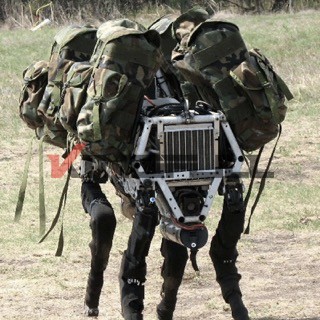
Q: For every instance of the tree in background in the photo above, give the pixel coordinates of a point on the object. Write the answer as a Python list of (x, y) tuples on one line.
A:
[(3, 15), (23, 12), (280, 5), (252, 5)]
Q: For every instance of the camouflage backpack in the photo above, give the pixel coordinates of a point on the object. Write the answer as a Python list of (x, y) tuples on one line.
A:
[(240, 83), (72, 44), (41, 98), (125, 61), (35, 78)]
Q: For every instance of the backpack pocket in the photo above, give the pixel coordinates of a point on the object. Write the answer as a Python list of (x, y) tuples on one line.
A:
[(35, 81), (256, 122), (74, 94), (107, 119), (264, 87), (52, 131)]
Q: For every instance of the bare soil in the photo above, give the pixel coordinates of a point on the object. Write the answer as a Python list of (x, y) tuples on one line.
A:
[(280, 281), (280, 269)]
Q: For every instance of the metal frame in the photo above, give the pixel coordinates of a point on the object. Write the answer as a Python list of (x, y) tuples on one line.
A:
[(211, 178)]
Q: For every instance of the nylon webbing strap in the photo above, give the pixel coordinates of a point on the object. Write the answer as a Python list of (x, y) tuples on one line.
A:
[(219, 50), (54, 100), (42, 209), (262, 184), (284, 88), (98, 58), (61, 235), (23, 186), (60, 243), (62, 203), (264, 78), (253, 175), (96, 122), (254, 172)]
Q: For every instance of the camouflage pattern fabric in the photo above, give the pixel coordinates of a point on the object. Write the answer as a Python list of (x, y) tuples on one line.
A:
[(52, 132), (168, 41), (72, 44), (267, 92), (35, 79), (126, 60), (241, 84), (264, 86), (74, 94), (211, 51), (183, 26), (174, 32), (215, 48)]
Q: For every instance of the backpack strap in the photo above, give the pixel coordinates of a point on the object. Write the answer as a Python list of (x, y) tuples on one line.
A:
[(284, 88), (24, 182), (42, 206), (253, 175), (263, 181), (96, 122), (62, 204), (23, 187)]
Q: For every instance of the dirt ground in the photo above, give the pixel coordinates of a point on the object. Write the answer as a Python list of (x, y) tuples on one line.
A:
[(280, 281)]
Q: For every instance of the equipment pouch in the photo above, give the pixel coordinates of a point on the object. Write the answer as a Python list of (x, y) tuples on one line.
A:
[(35, 80)]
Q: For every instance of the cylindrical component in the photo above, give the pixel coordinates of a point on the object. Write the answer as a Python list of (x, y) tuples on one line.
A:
[(194, 238)]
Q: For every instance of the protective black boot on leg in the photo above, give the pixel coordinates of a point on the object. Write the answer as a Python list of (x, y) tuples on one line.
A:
[(223, 250), (102, 225), (238, 309), (175, 259), (168, 302), (224, 262), (133, 268), (132, 289), (93, 291)]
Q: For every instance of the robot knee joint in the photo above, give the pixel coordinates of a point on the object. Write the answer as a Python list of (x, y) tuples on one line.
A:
[(234, 197), (102, 214)]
